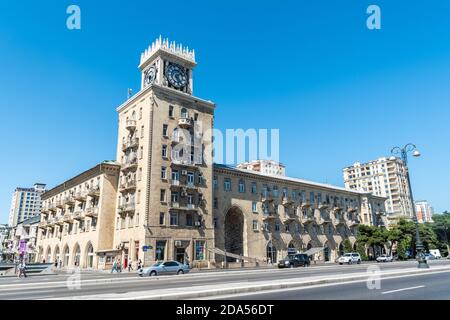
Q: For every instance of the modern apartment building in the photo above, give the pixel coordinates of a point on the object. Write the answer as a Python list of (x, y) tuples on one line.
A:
[(424, 211), (77, 220), (25, 203), (269, 167), (384, 177)]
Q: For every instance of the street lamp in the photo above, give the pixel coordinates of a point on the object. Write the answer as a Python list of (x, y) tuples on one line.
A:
[(404, 156)]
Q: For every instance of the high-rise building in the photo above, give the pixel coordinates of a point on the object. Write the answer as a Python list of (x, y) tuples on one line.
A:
[(424, 211), (25, 203), (264, 166), (384, 177)]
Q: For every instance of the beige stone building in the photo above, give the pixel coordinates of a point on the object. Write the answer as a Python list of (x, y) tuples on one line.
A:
[(262, 216), (164, 199), (77, 220)]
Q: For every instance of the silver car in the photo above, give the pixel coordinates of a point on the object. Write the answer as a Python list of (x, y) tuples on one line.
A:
[(164, 268)]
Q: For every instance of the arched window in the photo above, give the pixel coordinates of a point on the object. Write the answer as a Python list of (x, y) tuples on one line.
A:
[(271, 253), (184, 113)]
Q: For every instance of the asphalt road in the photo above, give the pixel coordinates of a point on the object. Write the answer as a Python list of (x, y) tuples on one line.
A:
[(434, 286), (84, 284)]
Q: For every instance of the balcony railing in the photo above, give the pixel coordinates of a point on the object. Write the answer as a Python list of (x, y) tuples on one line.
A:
[(323, 205), (128, 185), (80, 195), (184, 162), (130, 164), (127, 208), (92, 212), (351, 209), (269, 216), (183, 206), (289, 218), (308, 219), (266, 197), (184, 122), (69, 200), (77, 215), (286, 201), (324, 219), (59, 204), (130, 125), (130, 144), (354, 222), (94, 191), (337, 207), (306, 204)]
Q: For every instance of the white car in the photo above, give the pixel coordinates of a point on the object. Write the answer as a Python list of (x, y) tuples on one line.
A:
[(349, 258), (385, 258)]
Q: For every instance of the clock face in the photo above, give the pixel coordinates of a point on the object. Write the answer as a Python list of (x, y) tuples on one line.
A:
[(150, 75), (176, 75)]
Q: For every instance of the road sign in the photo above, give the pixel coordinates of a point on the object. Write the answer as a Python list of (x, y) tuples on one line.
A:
[(146, 248)]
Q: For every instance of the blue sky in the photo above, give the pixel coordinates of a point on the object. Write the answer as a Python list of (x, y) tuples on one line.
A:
[(337, 91)]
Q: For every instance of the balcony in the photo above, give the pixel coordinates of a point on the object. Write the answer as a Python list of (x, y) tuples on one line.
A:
[(59, 204), (127, 208), (80, 196), (308, 219), (339, 221), (306, 204), (67, 218), (130, 144), (77, 215), (69, 200), (323, 205), (94, 191), (324, 219), (354, 222), (184, 123), (130, 125), (127, 186), (184, 162), (266, 197), (337, 208), (59, 221), (269, 216), (175, 183), (351, 209), (380, 213), (289, 218), (286, 201), (92, 212), (183, 206), (130, 165), (42, 224)]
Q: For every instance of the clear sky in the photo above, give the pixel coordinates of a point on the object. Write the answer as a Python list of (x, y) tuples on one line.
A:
[(337, 91)]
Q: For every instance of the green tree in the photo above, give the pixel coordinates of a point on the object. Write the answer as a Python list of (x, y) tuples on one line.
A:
[(441, 227), (347, 245)]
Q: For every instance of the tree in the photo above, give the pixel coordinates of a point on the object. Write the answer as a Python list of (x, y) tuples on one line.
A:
[(347, 245), (441, 227), (372, 237)]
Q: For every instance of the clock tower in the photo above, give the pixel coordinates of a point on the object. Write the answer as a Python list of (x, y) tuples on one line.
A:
[(168, 64)]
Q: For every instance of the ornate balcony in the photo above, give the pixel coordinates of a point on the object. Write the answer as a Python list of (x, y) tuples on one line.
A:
[(323, 205), (184, 162), (306, 204), (92, 212), (128, 186), (130, 125), (354, 222), (308, 219), (67, 217), (130, 144), (339, 221), (266, 197), (80, 196), (269, 216), (94, 191), (289, 218), (127, 208), (130, 165), (351, 209), (59, 204), (184, 123), (69, 200), (286, 201), (77, 215), (337, 208), (324, 219)]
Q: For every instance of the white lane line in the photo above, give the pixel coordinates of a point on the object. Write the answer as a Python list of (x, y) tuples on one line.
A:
[(404, 289)]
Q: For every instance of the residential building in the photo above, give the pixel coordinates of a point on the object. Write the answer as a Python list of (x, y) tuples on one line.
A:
[(22, 241), (25, 203), (264, 216), (269, 167), (385, 177), (424, 211), (77, 221), (164, 180), (4, 240)]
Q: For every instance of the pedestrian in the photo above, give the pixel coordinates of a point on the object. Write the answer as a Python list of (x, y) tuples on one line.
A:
[(22, 267), (114, 266), (56, 264), (130, 266), (139, 264), (60, 264)]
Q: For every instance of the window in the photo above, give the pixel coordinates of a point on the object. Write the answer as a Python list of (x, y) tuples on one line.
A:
[(142, 131), (216, 203), (162, 196), (275, 191), (175, 175), (163, 172), (189, 220), (254, 190), (254, 209), (216, 223), (139, 175), (165, 130), (190, 178), (286, 228), (255, 225), (200, 250), (174, 197), (161, 218), (215, 183), (196, 116), (140, 113), (241, 186), (160, 250), (184, 113), (277, 227), (311, 197), (164, 151), (141, 152), (174, 219), (171, 111), (266, 226), (227, 184)]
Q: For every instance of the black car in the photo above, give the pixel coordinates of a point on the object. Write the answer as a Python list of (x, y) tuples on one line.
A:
[(294, 260)]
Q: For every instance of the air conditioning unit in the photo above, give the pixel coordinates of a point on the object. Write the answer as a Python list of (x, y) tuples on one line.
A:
[(184, 172), (178, 243)]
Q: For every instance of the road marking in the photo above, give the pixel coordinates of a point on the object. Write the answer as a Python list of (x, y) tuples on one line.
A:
[(404, 289)]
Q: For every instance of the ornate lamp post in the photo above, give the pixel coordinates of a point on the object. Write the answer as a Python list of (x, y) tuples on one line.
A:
[(404, 156)]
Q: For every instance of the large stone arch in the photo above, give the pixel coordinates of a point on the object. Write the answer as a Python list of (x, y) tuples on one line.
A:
[(271, 252), (89, 256), (327, 252), (234, 231)]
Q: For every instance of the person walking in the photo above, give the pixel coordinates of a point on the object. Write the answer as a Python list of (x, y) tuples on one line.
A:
[(139, 266), (114, 266), (22, 267), (130, 266)]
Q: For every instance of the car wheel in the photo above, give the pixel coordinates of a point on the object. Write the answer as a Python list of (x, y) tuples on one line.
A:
[(153, 274), (350, 262), (180, 272), (340, 263), (359, 261), (292, 266)]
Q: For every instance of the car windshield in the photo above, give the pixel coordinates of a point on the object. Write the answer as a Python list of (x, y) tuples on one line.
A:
[(289, 257), (347, 255), (156, 264)]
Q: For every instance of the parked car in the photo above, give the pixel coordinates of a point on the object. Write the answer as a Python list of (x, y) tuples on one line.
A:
[(385, 258), (429, 256), (294, 260), (436, 253), (164, 268), (349, 258)]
